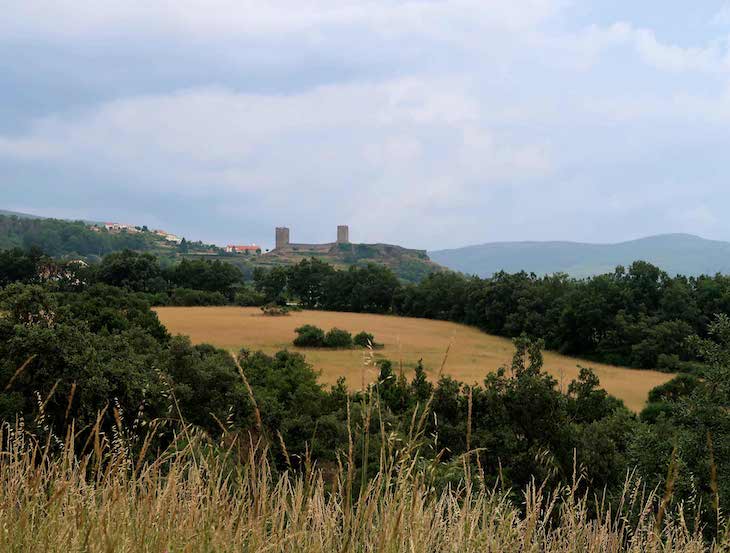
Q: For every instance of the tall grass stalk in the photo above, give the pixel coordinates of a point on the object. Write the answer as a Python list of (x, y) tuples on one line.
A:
[(66, 502)]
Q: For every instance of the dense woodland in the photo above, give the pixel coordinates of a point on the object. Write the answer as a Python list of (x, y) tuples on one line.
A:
[(82, 343)]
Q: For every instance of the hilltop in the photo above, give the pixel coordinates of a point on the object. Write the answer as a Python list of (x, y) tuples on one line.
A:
[(409, 265), (683, 254), (86, 240)]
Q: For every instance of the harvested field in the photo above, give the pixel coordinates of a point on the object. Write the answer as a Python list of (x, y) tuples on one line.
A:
[(473, 354)]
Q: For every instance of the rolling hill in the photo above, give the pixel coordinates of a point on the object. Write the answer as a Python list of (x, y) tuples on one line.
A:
[(76, 239), (683, 254)]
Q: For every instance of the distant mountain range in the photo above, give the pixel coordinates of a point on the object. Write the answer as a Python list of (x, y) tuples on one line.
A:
[(683, 254)]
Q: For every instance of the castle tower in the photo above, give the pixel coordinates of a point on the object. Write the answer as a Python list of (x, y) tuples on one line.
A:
[(343, 234), (282, 237)]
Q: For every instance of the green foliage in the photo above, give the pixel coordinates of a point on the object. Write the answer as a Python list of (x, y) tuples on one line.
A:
[(65, 238), (368, 289), (249, 297), (691, 416), (192, 298), (306, 281), (364, 339), (681, 386), (18, 266), (272, 284), (338, 338), (133, 271), (202, 274), (309, 336)]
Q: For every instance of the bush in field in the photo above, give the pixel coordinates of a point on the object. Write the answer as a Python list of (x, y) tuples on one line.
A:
[(338, 338), (363, 339), (309, 336), (273, 310)]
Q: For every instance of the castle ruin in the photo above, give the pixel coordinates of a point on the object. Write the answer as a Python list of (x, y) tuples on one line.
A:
[(282, 237), (283, 240)]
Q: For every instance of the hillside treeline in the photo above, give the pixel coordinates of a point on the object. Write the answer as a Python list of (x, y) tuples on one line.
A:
[(636, 316), (189, 282), (59, 238)]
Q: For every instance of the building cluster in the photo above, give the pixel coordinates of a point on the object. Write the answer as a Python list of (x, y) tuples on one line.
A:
[(250, 249), (116, 228), (167, 236)]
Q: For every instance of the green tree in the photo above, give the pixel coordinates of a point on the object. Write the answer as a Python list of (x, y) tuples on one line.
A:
[(131, 270), (307, 279)]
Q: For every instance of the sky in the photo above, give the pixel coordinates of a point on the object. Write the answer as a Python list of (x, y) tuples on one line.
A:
[(426, 123)]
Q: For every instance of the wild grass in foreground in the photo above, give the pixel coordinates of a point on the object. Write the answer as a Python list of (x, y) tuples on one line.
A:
[(189, 498)]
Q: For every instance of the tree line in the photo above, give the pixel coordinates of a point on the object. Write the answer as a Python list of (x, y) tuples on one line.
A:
[(188, 282), (637, 316)]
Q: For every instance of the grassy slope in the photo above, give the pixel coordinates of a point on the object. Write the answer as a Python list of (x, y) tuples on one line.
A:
[(406, 340), (675, 253)]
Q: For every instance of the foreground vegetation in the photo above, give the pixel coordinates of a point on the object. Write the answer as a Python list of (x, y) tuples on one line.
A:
[(188, 499), (99, 357), (100, 402)]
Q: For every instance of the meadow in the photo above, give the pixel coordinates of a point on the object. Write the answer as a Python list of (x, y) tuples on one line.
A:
[(472, 353)]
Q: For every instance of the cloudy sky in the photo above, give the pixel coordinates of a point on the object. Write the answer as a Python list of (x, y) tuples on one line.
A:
[(430, 123)]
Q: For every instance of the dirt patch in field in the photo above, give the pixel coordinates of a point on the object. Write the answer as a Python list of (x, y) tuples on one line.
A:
[(472, 355)]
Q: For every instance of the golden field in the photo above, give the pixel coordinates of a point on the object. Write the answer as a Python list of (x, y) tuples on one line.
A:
[(472, 354)]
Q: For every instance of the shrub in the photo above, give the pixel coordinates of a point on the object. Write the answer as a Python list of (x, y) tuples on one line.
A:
[(309, 336), (338, 338), (363, 339), (274, 310)]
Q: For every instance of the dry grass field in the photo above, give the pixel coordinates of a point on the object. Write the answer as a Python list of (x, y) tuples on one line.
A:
[(472, 355)]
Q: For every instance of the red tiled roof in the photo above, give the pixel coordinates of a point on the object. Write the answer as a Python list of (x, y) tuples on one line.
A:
[(252, 247)]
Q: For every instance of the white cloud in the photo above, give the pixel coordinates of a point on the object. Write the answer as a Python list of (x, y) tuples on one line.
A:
[(411, 109), (250, 17), (589, 44), (411, 143)]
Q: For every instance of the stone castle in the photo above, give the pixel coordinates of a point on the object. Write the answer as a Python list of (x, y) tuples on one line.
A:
[(283, 241)]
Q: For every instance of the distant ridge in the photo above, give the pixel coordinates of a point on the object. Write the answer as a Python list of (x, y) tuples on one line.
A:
[(683, 254), (19, 215)]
